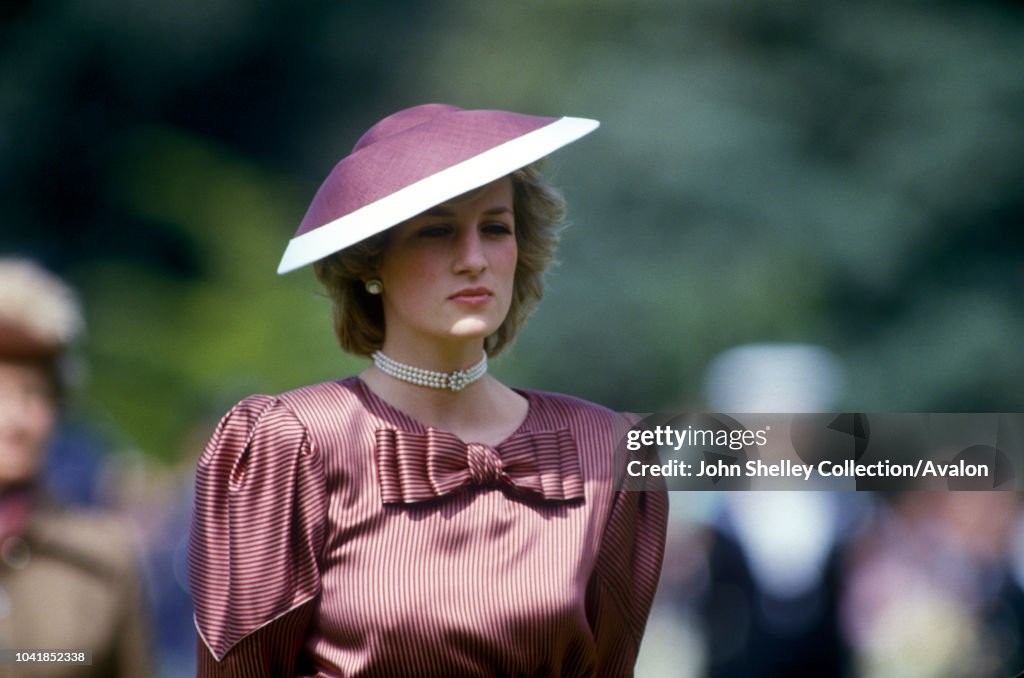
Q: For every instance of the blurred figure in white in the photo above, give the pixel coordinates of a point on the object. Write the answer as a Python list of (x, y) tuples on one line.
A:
[(750, 576), (786, 540)]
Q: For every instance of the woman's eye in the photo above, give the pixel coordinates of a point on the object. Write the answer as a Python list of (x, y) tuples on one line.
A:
[(498, 228), (433, 231)]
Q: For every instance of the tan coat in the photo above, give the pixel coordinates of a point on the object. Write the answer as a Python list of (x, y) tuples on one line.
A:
[(70, 582)]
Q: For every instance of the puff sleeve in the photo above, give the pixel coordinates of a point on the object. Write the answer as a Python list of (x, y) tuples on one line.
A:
[(257, 534), (622, 587)]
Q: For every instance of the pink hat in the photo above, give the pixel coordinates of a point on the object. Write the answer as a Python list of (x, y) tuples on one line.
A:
[(415, 159)]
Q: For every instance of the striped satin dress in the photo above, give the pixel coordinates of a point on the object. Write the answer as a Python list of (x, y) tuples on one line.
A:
[(334, 535)]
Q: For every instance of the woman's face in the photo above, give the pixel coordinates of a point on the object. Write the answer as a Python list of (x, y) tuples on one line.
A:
[(448, 273), (28, 414)]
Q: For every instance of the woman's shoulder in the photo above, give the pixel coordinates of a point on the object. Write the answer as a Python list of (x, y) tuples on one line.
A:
[(338, 392), (563, 401), (260, 452), (559, 408), (288, 421), (570, 405), (257, 410)]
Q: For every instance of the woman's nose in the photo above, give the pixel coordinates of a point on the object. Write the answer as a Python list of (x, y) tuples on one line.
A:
[(470, 256)]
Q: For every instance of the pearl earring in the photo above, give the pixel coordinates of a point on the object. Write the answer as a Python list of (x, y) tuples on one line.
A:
[(374, 286)]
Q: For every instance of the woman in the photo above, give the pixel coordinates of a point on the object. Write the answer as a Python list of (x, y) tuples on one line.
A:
[(423, 518), (68, 576)]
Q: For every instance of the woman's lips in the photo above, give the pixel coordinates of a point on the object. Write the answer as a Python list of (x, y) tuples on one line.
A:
[(472, 296)]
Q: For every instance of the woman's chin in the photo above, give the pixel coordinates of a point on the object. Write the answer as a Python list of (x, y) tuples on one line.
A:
[(15, 468), (472, 328)]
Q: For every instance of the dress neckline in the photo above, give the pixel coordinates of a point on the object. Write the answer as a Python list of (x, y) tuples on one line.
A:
[(411, 423)]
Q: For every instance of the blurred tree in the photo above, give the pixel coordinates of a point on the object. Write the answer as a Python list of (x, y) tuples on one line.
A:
[(143, 154), (822, 171)]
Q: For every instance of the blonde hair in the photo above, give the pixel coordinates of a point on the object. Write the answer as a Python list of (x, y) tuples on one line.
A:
[(359, 316)]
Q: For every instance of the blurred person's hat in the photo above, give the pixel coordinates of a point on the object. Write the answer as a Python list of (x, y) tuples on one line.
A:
[(768, 377), (415, 159), (40, 316), (782, 378)]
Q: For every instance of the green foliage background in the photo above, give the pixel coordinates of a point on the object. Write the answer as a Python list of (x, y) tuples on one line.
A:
[(847, 174)]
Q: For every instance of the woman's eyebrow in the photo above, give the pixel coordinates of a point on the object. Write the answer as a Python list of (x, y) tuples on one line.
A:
[(441, 211)]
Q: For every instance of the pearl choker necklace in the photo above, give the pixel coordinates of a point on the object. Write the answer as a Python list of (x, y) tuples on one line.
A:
[(453, 381)]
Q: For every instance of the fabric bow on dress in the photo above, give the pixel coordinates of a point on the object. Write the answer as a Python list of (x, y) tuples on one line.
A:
[(415, 466)]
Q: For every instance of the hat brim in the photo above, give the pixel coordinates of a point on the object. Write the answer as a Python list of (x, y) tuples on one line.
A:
[(432, 190)]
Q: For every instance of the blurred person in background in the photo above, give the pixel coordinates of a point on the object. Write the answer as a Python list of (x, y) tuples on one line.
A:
[(751, 581), (793, 583), (68, 578), (933, 586), (424, 519), (773, 581)]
